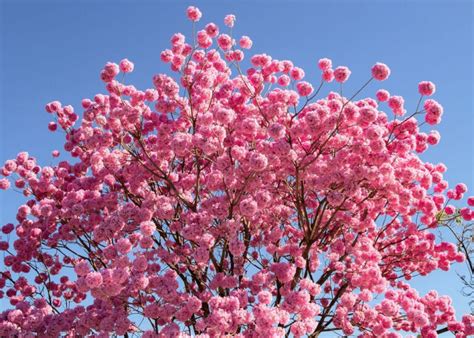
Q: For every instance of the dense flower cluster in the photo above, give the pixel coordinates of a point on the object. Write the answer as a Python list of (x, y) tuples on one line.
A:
[(230, 202)]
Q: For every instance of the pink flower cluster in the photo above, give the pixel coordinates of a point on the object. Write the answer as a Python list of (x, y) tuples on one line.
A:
[(232, 201), (380, 71)]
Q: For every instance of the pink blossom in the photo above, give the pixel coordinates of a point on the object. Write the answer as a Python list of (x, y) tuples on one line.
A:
[(283, 271), (52, 126), (140, 264), (276, 131), (123, 246), (328, 75), (177, 39), (341, 74), (126, 66), (297, 73), (225, 116), (258, 162), (193, 13), (4, 184), (284, 80), (426, 88), (245, 42), (248, 207), (325, 64), (109, 72), (93, 280), (7, 228), (203, 39), (229, 20), (382, 95), (461, 188), (147, 228), (396, 104), (225, 41), (433, 137), (380, 71), (212, 30), (112, 70), (264, 297), (304, 88), (434, 111)]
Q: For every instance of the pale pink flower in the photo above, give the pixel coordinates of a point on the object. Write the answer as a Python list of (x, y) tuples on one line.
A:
[(245, 42), (229, 20)]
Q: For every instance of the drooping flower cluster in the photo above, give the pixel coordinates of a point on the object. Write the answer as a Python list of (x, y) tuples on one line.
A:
[(231, 202)]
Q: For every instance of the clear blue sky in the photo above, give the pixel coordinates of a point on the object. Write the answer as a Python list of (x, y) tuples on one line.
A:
[(55, 50)]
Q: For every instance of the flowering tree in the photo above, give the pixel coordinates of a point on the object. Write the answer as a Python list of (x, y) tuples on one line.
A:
[(231, 202)]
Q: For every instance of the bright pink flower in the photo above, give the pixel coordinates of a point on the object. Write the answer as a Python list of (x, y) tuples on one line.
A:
[(304, 88), (283, 271), (328, 75), (112, 69), (147, 228), (225, 116), (55, 106), (426, 88), (10, 165), (341, 74), (284, 80), (52, 126), (276, 131), (382, 95), (325, 64), (212, 30), (297, 73), (203, 39), (82, 268), (126, 66), (258, 162), (109, 72), (245, 42), (123, 246), (466, 214), (140, 264), (434, 137), (193, 13), (461, 188), (396, 104), (177, 39), (225, 41), (380, 71), (248, 207), (7, 228), (264, 297), (434, 111), (93, 280)]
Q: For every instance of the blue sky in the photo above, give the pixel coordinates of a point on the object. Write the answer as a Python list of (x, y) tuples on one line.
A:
[(55, 50)]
